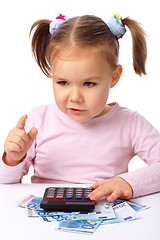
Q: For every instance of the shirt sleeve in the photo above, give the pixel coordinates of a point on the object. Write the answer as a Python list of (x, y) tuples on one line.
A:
[(14, 174), (146, 144)]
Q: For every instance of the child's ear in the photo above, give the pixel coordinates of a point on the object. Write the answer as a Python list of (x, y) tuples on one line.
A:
[(116, 75)]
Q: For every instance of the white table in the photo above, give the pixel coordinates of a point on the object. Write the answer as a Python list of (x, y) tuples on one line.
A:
[(14, 224)]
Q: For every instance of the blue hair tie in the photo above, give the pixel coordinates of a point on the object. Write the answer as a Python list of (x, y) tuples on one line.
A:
[(56, 23), (116, 26)]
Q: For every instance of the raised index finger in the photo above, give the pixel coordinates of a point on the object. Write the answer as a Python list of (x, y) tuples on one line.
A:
[(21, 122)]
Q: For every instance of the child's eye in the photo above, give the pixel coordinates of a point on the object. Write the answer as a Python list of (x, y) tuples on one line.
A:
[(89, 84), (62, 83)]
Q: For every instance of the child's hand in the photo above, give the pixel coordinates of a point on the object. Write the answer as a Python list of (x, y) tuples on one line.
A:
[(18, 142), (114, 187)]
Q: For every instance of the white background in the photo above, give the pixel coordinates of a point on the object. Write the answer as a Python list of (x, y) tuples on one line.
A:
[(23, 85)]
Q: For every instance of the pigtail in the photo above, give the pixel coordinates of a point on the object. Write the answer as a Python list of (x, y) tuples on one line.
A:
[(139, 45), (39, 44)]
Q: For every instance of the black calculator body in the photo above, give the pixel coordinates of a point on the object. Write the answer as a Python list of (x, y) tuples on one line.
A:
[(67, 199)]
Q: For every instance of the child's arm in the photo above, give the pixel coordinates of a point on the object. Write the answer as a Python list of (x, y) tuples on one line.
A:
[(18, 143), (15, 163), (145, 140)]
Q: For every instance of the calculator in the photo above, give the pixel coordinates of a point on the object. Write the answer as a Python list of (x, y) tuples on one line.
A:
[(68, 199)]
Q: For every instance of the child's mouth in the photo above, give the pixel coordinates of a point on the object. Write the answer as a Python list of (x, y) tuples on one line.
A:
[(74, 110)]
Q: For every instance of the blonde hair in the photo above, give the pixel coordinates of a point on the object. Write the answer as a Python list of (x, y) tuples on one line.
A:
[(85, 31)]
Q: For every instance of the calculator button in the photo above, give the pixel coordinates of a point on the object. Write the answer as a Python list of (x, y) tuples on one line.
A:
[(78, 197), (51, 192), (60, 191), (86, 193), (88, 190), (78, 194), (79, 190), (59, 196), (52, 189), (69, 192), (69, 197), (86, 197), (50, 196)]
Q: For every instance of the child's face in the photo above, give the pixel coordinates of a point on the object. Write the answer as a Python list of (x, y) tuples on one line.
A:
[(81, 85)]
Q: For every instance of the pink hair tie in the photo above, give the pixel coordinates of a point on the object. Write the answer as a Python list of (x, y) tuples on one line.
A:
[(61, 17), (56, 23)]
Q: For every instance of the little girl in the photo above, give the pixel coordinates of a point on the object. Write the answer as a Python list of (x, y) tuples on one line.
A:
[(81, 138)]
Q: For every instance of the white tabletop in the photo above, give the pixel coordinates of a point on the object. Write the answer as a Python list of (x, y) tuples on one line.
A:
[(14, 223)]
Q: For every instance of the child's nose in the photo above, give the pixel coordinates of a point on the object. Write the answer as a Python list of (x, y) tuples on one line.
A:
[(76, 95)]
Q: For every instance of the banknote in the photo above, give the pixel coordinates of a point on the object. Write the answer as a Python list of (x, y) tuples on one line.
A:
[(71, 215), (42, 213), (117, 219), (99, 213), (103, 212), (23, 203), (94, 216), (31, 202), (124, 212), (136, 206), (84, 222), (80, 226), (56, 218), (79, 217)]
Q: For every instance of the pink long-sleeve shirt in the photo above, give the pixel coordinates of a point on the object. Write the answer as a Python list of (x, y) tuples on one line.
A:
[(66, 151)]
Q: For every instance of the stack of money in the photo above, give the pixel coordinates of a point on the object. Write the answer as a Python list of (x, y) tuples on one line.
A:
[(104, 213)]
